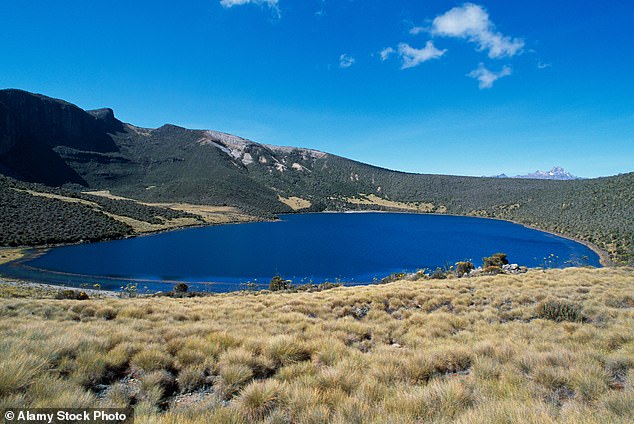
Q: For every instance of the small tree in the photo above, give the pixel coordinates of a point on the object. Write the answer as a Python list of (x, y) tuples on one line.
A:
[(278, 283), (497, 259)]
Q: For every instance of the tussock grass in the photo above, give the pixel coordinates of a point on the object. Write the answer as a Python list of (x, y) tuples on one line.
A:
[(151, 359), (260, 398), (542, 347)]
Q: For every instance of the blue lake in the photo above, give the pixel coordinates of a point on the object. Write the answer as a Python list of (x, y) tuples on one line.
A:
[(354, 248)]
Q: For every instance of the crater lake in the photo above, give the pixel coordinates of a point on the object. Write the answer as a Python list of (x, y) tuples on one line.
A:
[(352, 248)]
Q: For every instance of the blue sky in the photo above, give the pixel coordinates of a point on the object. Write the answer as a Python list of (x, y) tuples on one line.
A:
[(422, 86)]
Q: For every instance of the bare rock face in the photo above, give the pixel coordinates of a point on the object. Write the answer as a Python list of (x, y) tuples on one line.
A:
[(107, 119), (57, 123), (8, 132), (32, 125)]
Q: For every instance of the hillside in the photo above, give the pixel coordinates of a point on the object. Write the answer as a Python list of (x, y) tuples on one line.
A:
[(541, 347), (94, 151)]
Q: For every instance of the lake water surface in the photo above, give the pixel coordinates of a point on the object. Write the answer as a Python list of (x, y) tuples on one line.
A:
[(354, 248)]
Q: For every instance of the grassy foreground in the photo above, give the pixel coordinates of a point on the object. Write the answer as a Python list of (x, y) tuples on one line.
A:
[(542, 347)]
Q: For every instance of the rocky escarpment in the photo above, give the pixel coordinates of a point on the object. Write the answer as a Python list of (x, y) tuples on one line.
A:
[(33, 125)]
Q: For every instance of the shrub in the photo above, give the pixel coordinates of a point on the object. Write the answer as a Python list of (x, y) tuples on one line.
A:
[(393, 277), (71, 294), (558, 311), (497, 259), (463, 268), (438, 274), (278, 283), (181, 288)]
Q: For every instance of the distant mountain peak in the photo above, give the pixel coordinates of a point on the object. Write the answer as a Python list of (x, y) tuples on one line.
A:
[(555, 173)]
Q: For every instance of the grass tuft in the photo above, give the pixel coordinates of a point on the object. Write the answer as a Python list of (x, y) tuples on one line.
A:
[(259, 399)]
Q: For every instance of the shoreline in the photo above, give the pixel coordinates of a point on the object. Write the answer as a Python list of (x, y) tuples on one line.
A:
[(92, 292), (22, 250), (604, 258), (19, 252), (26, 252)]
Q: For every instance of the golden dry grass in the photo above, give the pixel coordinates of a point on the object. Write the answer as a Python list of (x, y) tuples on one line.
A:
[(373, 199), (8, 254), (471, 350), (210, 214), (295, 203)]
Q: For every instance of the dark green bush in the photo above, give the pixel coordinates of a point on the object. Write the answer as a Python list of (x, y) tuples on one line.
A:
[(463, 268), (497, 259), (278, 283), (181, 288), (72, 295), (559, 310)]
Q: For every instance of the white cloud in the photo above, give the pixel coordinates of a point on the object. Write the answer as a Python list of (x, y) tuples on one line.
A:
[(417, 30), (472, 22), (385, 53), (543, 65), (413, 57), (486, 78), (346, 61), (273, 4)]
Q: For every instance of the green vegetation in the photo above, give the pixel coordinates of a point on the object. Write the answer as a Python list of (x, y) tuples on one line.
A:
[(278, 283), (134, 210), (173, 164), (29, 220), (544, 347), (464, 267), (181, 288), (33, 214), (497, 260), (72, 294), (438, 274), (558, 311)]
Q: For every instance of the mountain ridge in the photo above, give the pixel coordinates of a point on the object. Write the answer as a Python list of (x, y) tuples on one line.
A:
[(52, 142)]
